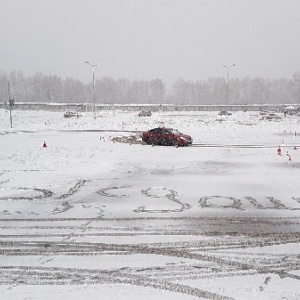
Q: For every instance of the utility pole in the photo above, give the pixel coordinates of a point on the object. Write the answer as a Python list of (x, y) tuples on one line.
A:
[(158, 89), (93, 78), (227, 81), (11, 103)]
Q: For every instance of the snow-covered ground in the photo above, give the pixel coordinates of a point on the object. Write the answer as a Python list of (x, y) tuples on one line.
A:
[(99, 215)]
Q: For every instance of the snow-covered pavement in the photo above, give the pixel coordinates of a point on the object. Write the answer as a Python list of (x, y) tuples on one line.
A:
[(98, 214)]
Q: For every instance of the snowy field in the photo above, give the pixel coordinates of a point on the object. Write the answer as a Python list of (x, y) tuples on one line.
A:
[(97, 214)]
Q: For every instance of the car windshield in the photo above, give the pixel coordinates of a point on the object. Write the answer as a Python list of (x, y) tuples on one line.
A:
[(173, 131)]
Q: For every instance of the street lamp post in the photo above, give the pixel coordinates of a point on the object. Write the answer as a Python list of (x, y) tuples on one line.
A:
[(158, 87), (146, 93), (94, 97), (11, 103), (227, 81)]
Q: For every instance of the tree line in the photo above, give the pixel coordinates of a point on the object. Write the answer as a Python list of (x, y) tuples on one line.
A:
[(52, 88)]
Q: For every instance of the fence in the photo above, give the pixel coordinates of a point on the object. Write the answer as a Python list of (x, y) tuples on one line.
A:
[(146, 107)]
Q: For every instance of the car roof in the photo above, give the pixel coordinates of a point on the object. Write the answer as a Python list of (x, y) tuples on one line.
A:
[(161, 128)]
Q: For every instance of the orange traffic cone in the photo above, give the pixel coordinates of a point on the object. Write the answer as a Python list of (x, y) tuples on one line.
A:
[(279, 150), (44, 145), (295, 148)]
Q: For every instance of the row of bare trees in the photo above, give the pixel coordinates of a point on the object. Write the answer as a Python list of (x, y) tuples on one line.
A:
[(45, 88)]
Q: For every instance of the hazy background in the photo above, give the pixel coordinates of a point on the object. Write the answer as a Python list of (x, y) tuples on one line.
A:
[(144, 39)]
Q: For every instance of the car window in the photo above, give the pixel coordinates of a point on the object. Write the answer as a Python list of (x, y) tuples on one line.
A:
[(159, 130), (154, 130), (174, 131)]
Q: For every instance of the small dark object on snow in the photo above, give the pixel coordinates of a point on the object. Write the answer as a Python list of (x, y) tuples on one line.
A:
[(71, 114), (225, 113), (271, 117), (144, 113)]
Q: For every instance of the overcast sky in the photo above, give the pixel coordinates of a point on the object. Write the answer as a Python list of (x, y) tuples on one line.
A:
[(145, 39)]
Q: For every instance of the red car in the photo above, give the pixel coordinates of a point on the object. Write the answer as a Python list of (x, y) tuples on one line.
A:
[(166, 137)]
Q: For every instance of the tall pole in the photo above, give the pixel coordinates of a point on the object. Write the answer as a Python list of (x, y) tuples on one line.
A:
[(11, 102), (158, 87), (94, 96), (146, 92), (227, 81)]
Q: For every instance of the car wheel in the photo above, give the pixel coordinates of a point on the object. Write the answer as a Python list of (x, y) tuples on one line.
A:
[(154, 141), (175, 143), (161, 141)]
